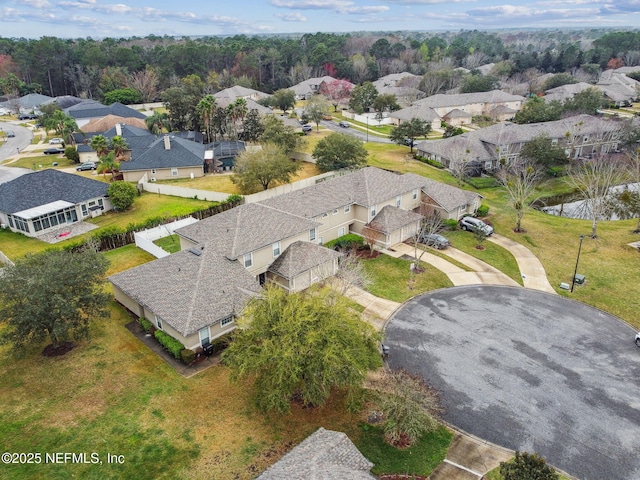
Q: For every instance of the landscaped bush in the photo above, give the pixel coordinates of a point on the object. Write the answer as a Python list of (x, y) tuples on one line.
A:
[(219, 344), (187, 356), (72, 154), (169, 343), (145, 324), (483, 210), (556, 171), (481, 182), (429, 161), (348, 241), (450, 224)]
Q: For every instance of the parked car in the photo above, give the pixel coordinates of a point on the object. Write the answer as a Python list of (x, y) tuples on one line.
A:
[(474, 224), (11, 134), (307, 127), (327, 117), (435, 240), (409, 143), (638, 339), (86, 166), (27, 116), (344, 124), (53, 151), (55, 141)]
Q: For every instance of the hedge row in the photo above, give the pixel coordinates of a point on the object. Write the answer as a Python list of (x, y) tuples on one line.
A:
[(169, 343), (146, 324), (348, 241), (482, 182), (429, 161)]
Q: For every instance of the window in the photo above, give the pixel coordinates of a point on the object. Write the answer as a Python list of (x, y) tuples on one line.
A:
[(325, 215), (312, 234), (415, 194), (373, 211), (335, 212), (341, 231), (276, 249), (174, 172), (153, 171), (85, 212), (248, 260), (398, 200), (159, 322), (347, 208), (320, 242), (204, 336), (226, 321)]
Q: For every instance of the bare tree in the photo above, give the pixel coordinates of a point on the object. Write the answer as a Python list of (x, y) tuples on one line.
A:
[(431, 223), (592, 180), (145, 82), (459, 159), (371, 236), (520, 181), (351, 273), (475, 60), (360, 68)]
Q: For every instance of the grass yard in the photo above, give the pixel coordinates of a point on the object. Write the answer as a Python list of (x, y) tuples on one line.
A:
[(114, 395), (495, 475), (391, 278), (398, 158), (223, 183), (419, 459), (169, 244), (39, 162)]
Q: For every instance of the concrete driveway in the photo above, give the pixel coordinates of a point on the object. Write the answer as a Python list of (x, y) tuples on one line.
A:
[(528, 370)]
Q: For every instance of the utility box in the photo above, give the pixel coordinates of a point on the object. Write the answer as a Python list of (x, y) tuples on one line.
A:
[(564, 286), (579, 279)]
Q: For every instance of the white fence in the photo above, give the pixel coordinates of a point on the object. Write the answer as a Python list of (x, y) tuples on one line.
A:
[(145, 239), (5, 260), (289, 187), (369, 118)]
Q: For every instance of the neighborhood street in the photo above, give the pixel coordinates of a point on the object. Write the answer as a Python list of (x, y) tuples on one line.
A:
[(528, 370), (11, 147)]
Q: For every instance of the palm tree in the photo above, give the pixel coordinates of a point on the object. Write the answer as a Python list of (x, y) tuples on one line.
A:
[(237, 112), (99, 144), (206, 109), (119, 146), (158, 122), (108, 164), (63, 125)]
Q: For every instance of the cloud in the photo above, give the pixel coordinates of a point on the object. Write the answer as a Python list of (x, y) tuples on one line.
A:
[(291, 17), (35, 3), (311, 4), (425, 2), (363, 10), (93, 6)]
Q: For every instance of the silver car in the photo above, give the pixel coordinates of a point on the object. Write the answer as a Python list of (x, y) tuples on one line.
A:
[(475, 224)]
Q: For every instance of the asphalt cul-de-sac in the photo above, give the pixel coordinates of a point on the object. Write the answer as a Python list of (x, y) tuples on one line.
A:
[(529, 371)]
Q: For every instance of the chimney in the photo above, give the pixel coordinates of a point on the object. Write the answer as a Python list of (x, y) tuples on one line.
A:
[(118, 129), (167, 142)]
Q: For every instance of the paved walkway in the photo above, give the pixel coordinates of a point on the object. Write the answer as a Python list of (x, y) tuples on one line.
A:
[(533, 273)]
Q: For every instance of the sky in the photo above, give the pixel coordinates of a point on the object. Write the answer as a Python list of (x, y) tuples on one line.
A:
[(101, 18)]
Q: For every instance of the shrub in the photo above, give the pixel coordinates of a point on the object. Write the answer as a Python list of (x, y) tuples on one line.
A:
[(527, 465), (429, 161), (219, 344), (145, 324), (187, 356), (72, 154), (556, 171), (234, 198), (122, 194), (450, 224), (169, 343), (348, 241), (483, 210)]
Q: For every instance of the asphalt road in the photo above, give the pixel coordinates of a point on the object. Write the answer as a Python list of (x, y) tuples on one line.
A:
[(529, 371), (332, 125), (10, 148)]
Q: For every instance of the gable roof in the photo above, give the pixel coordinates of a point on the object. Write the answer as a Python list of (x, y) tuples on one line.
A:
[(33, 100), (245, 228), (423, 112), (109, 122), (310, 85), (323, 455), (391, 218), (443, 100), (299, 257), (189, 291), (365, 187), (94, 109), (447, 196), (47, 186), (182, 153), (238, 91)]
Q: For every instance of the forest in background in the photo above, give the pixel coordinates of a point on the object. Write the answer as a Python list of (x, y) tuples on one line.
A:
[(89, 68)]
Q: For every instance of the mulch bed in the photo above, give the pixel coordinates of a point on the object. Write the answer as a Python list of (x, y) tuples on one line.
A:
[(61, 349)]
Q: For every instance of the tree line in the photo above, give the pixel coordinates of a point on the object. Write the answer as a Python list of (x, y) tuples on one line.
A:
[(145, 67)]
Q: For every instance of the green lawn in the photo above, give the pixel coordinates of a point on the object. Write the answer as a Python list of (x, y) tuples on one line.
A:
[(392, 278), (419, 459), (39, 162), (169, 244)]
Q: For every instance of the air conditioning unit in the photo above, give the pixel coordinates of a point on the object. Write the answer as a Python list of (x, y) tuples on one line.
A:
[(3, 226), (153, 179)]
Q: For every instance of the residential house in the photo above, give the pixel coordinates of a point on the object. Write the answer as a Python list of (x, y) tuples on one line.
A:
[(312, 86), (618, 88), (392, 225), (450, 202), (238, 91), (476, 104), (323, 455), (423, 112), (27, 103), (274, 240), (579, 136), (166, 158), (43, 201), (221, 156), (403, 85), (138, 140), (88, 110), (565, 92), (104, 124)]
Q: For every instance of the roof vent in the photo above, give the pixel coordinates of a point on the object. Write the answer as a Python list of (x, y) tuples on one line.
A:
[(167, 142), (196, 251)]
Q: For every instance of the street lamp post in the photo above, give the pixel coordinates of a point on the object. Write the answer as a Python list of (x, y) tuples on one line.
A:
[(575, 272), (367, 128)]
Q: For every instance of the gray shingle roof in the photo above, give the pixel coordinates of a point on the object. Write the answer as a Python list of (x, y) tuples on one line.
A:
[(391, 218), (323, 455), (93, 109), (187, 291), (183, 153), (423, 112), (46, 186), (246, 228), (238, 91), (300, 257), (447, 196), (367, 186), (444, 100)]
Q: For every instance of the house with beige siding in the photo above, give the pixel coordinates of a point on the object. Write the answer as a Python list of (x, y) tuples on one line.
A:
[(196, 294)]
